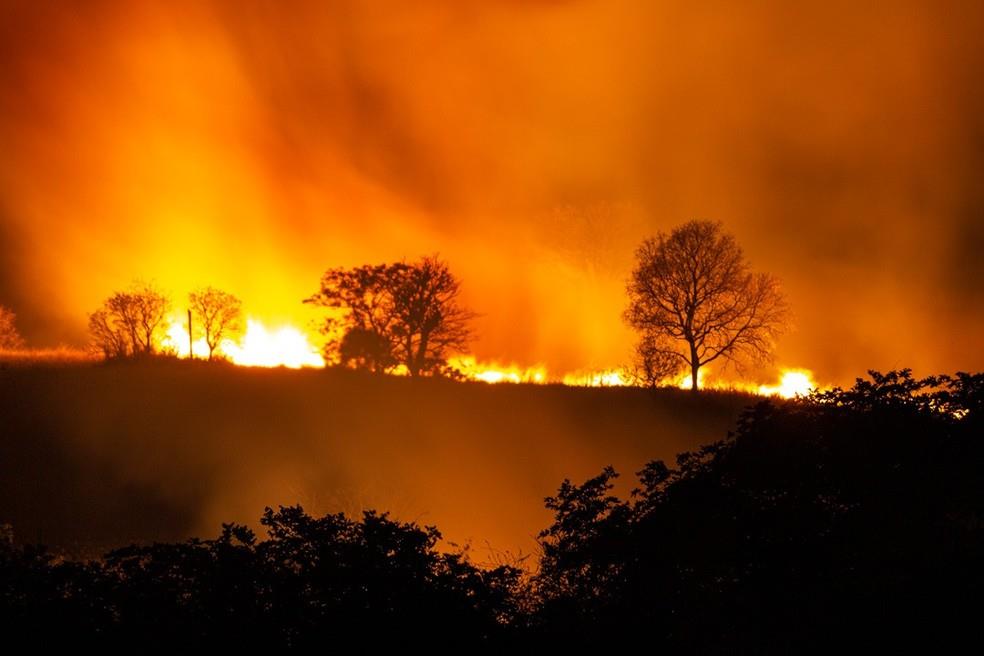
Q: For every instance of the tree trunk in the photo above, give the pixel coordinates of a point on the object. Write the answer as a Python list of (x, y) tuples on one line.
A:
[(412, 368), (694, 368)]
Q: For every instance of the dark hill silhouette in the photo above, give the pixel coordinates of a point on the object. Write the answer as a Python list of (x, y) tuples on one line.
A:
[(95, 456), (851, 520)]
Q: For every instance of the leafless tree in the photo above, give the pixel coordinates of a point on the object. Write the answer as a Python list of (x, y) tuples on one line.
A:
[(219, 315), (130, 323), (10, 338), (695, 301)]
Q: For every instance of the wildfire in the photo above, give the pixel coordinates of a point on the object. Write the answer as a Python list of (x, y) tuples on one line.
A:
[(259, 346), (287, 346), (687, 382), (493, 372), (792, 383), (604, 378)]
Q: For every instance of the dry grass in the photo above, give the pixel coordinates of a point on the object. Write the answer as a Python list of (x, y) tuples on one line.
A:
[(49, 357)]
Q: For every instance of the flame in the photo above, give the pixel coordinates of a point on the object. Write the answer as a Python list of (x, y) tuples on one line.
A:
[(494, 372), (176, 341), (687, 382), (288, 346), (260, 346), (603, 378), (792, 383)]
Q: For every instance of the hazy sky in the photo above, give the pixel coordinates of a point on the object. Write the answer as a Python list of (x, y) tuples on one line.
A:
[(251, 145)]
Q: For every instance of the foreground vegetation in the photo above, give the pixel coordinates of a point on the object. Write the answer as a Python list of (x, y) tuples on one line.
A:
[(854, 514)]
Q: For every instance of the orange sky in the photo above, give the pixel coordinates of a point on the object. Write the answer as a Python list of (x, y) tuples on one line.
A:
[(251, 145)]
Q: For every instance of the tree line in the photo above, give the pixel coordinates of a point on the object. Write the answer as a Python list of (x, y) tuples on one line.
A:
[(692, 298), (852, 517), (133, 323)]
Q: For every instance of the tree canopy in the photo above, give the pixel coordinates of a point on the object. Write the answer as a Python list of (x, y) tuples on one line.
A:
[(694, 300), (218, 315), (130, 323), (396, 314)]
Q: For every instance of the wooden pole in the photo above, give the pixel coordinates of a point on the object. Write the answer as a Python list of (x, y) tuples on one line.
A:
[(191, 341)]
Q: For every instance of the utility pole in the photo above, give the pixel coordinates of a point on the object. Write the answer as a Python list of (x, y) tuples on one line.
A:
[(191, 341)]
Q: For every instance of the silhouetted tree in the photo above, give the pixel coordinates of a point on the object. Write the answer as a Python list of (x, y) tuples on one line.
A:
[(694, 299), (130, 323), (314, 582), (10, 338), (652, 363), (364, 348), (218, 315), (852, 514), (396, 314)]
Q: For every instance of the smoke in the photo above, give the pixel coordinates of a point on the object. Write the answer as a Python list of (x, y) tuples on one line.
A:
[(251, 145)]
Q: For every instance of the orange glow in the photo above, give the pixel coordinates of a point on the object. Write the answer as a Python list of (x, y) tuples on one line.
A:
[(493, 372), (686, 381), (288, 346), (265, 146), (793, 383), (604, 378), (259, 346)]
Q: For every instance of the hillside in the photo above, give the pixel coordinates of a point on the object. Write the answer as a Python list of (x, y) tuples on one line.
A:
[(98, 455)]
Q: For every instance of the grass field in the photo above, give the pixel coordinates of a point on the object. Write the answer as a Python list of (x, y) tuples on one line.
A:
[(94, 455)]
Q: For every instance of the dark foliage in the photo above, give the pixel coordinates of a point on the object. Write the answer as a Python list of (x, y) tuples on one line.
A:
[(315, 582), (130, 324), (852, 515), (850, 520), (402, 313)]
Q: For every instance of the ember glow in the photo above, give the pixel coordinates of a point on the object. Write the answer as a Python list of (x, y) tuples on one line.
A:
[(260, 346), (792, 383), (604, 378), (288, 346), (493, 372)]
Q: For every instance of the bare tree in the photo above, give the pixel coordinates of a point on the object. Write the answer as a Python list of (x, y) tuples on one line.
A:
[(695, 301), (10, 338), (219, 315), (130, 323), (402, 313)]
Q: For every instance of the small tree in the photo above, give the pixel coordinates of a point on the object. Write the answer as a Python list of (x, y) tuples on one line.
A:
[(395, 314), (10, 338), (695, 301), (365, 349), (130, 323), (219, 315)]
